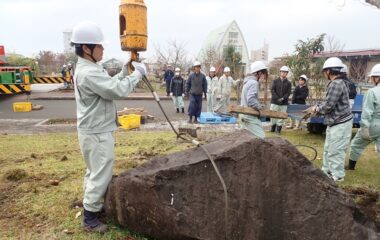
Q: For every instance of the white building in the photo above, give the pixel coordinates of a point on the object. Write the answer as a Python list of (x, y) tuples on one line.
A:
[(260, 54), (219, 39), (66, 41)]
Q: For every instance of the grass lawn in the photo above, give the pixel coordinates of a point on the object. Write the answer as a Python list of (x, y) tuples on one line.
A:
[(33, 208)]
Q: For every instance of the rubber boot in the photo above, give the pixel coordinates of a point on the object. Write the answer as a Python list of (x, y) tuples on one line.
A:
[(196, 120), (183, 110), (177, 110), (273, 128), (278, 129), (92, 224), (191, 120), (351, 165)]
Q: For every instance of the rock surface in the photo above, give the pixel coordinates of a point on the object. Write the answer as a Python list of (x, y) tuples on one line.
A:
[(274, 192)]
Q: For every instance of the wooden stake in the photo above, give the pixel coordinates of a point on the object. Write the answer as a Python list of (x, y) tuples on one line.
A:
[(261, 113)]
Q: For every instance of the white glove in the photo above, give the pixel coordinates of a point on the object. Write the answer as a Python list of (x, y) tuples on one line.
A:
[(183, 95), (364, 133), (220, 96), (140, 67), (171, 94)]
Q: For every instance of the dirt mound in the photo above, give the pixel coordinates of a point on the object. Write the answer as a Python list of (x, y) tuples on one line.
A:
[(274, 192)]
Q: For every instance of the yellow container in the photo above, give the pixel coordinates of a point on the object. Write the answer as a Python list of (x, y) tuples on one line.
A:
[(22, 106), (130, 121), (133, 25)]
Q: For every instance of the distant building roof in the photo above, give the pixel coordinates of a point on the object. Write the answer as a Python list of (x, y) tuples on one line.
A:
[(349, 53)]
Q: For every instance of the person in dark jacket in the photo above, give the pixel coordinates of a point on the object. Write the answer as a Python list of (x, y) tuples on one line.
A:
[(177, 90), (168, 76), (351, 85), (196, 86), (301, 92), (281, 89)]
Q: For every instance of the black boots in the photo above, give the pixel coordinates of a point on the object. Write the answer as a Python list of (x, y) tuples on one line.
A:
[(177, 110), (191, 120), (278, 129), (351, 165), (92, 224), (183, 110), (273, 128)]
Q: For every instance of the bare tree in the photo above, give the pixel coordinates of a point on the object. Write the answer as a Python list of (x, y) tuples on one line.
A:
[(375, 3), (358, 68), (333, 45), (174, 53)]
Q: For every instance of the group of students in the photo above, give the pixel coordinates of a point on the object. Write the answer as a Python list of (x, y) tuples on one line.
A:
[(216, 90), (95, 91)]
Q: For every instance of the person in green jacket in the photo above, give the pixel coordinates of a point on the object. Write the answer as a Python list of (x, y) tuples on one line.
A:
[(370, 121), (95, 91)]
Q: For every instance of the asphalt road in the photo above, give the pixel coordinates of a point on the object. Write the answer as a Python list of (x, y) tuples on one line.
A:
[(67, 108)]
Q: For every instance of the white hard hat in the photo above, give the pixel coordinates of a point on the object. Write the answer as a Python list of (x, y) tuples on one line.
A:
[(212, 69), (64, 65), (196, 63), (177, 69), (375, 72), (87, 33), (69, 64), (257, 66), (284, 69), (344, 69), (303, 76), (334, 63), (227, 69)]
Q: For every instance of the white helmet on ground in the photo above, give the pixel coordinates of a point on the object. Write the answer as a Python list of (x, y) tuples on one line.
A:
[(375, 72), (344, 69), (196, 63), (284, 69), (333, 63), (87, 33), (257, 66), (177, 69), (304, 77), (227, 69), (212, 69)]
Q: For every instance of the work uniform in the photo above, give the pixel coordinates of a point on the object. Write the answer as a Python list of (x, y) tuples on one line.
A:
[(370, 119), (212, 92), (96, 122), (177, 87), (224, 90), (196, 85), (280, 90), (338, 118), (250, 98)]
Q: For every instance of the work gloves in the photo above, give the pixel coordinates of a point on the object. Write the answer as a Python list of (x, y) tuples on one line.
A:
[(183, 95), (364, 133), (140, 67), (171, 94)]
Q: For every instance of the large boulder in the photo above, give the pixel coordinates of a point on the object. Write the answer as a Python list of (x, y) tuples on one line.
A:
[(274, 192)]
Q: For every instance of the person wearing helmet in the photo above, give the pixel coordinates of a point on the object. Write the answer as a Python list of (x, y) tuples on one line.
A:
[(370, 121), (177, 90), (212, 88), (338, 118), (281, 89), (300, 93), (64, 75), (226, 82), (95, 91), (250, 98), (168, 76), (351, 86), (196, 86)]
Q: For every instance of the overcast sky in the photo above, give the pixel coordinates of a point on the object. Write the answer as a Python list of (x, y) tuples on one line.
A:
[(28, 26)]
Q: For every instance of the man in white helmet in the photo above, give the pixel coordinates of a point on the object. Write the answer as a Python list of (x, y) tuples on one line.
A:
[(96, 116), (212, 88), (281, 89), (250, 98), (177, 90), (338, 118), (370, 121), (196, 86), (226, 82)]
